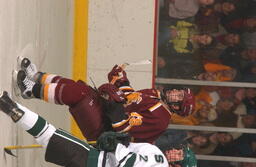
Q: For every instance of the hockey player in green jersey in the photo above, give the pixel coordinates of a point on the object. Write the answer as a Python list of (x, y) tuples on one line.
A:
[(113, 149)]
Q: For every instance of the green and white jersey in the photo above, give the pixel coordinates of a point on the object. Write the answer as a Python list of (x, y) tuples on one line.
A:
[(135, 155)]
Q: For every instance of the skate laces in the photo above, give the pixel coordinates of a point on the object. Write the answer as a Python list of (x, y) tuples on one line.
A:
[(31, 70), (28, 84)]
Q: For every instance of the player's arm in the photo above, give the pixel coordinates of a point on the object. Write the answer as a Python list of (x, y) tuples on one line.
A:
[(114, 109), (113, 100), (121, 122), (154, 93), (137, 123)]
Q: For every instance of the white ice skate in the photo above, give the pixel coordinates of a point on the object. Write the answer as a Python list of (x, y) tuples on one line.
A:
[(25, 85)]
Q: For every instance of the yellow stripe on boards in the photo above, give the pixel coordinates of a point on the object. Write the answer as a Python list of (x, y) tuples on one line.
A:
[(80, 49)]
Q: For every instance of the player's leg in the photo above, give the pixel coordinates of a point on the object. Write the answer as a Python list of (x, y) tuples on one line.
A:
[(49, 87), (33, 74), (66, 150), (58, 92), (62, 148), (84, 102), (28, 120)]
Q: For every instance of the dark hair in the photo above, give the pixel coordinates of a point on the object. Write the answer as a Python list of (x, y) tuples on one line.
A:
[(248, 68), (210, 45), (224, 144), (231, 2), (207, 143), (233, 107)]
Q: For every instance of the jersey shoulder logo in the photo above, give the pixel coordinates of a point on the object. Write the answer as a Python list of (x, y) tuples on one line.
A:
[(134, 97), (135, 119)]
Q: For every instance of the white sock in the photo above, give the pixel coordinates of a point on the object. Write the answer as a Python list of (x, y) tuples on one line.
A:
[(36, 126)]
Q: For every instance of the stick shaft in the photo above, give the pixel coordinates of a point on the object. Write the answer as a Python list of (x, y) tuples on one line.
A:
[(124, 65), (23, 147), (142, 62)]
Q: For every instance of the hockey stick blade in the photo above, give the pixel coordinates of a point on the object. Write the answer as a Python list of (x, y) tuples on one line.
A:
[(8, 151)]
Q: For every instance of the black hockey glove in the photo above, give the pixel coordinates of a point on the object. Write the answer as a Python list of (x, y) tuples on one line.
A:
[(108, 141)]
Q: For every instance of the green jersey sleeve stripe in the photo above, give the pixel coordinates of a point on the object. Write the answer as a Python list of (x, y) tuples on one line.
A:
[(123, 159), (130, 162), (38, 127), (93, 158)]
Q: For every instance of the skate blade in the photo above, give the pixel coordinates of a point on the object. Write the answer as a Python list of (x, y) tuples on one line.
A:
[(15, 87), (18, 61), (27, 52)]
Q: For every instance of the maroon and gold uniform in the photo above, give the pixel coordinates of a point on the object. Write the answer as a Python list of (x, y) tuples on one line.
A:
[(142, 114), (85, 104), (148, 117)]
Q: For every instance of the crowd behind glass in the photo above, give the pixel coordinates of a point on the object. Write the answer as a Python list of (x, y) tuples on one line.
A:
[(212, 40)]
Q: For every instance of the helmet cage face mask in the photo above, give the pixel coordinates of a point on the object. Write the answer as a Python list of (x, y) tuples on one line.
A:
[(184, 107), (175, 106)]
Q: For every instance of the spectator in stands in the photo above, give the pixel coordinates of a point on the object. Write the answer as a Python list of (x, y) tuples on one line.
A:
[(226, 40), (208, 18), (241, 25), (247, 97), (249, 121), (249, 54), (214, 139), (237, 57), (221, 42), (248, 39), (203, 143), (224, 7), (183, 37), (176, 138), (217, 72), (250, 100), (244, 146), (249, 73), (243, 9), (226, 117), (162, 67), (181, 9)]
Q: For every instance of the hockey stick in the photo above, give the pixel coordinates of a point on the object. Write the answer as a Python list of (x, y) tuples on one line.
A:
[(94, 85), (8, 149), (124, 65), (142, 62)]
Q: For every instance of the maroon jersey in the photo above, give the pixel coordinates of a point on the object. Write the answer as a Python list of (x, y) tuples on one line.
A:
[(143, 115), (147, 117)]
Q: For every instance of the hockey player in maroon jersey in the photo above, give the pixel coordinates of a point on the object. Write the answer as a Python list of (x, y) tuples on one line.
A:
[(153, 113), (140, 113)]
